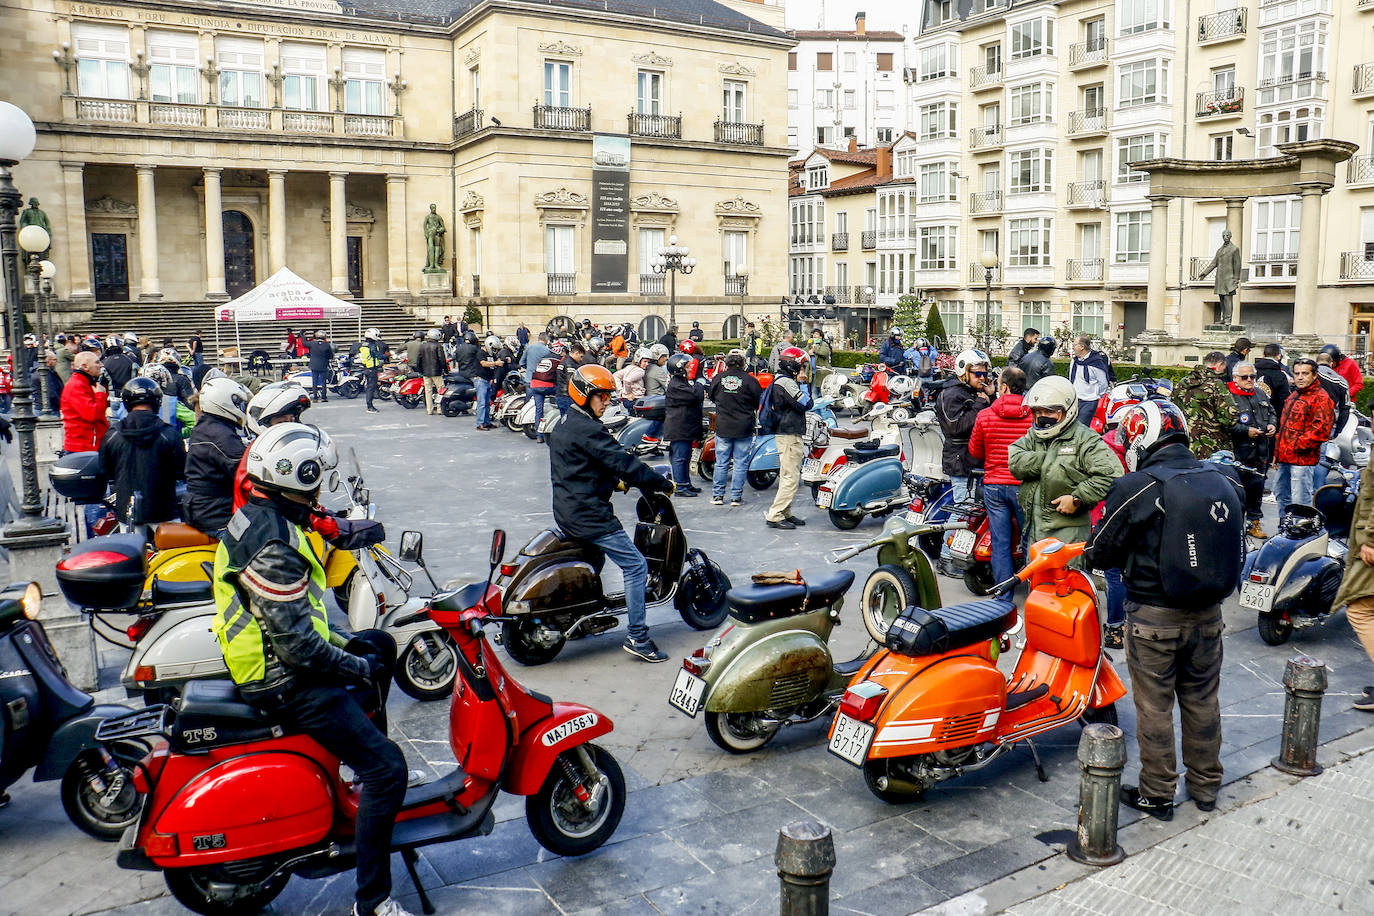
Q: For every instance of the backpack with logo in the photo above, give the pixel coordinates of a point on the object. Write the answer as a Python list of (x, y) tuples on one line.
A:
[(768, 417), (1201, 555)]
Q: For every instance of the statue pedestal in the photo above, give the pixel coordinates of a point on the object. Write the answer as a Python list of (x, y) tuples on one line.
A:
[(436, 282)]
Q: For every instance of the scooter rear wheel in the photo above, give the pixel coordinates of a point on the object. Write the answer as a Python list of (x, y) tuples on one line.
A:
[(409, 401), (350, 389), (212, 892), (562, 824), (452, 407), (706, 470), (887, 590), (512, 421), (1274, 629), (979, 579), (761, 480), (846, 520), (739, 732)]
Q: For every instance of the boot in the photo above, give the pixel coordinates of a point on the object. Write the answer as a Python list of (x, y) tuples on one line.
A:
[(1256, 531)]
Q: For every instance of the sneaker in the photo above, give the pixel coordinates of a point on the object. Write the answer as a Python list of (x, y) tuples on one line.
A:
[(1114, 636), (736, 502), (1161, 808), (648, 440), (1365, 701), (796, 522), (946, 567), (717, 500), (644, 649), (373, 410), (1256, 531), (785, 523), (416, 778), (1205, 806), (387, 907)]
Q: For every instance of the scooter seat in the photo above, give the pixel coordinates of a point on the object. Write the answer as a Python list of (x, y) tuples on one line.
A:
[(170, 535), (844, 432), (166, 591), (757, 603), (861, 455), (918, 631), (211, 714)]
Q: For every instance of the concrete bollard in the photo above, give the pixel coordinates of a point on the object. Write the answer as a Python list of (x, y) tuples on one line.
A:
[(805, 858), (1304, 678), (1102, 756)]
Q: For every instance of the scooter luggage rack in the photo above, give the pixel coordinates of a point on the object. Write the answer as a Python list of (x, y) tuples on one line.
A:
[(152, 720)]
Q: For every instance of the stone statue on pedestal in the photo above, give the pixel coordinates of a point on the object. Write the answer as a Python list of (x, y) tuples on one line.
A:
[(434, 240), (36, 217), (1226, 262)]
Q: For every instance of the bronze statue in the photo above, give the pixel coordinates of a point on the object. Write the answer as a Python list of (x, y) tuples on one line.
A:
[(36, 217), (434, 240), (1226, 262)]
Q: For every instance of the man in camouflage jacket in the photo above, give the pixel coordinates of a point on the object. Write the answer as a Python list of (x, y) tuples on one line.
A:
[(1207, 404)]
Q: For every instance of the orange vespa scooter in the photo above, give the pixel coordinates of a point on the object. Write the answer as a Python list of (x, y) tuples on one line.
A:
[(935, 704)]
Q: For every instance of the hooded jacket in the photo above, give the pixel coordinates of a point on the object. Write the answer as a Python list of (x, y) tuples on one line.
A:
[(83, 414), (957, 410), (585, 464), (144, 455), (996, 428), (1037, 363), (736, 395), (1072, 460), (1308, 416), (1272, 373), (1349, 370), (212, 458)]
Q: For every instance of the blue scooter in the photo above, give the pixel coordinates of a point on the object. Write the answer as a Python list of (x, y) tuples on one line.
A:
[(876, 481)]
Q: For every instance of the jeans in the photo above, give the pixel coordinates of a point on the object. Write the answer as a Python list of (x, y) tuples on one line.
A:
[(198, 359), (93, 513), (1086, 410), (959, 486), (369, 385), (621, 551), (319, 382), (1116, 597), (1292, 484), (1006, 523), (680, 455), (739, 450), (654, 429), (539, 396), (564, 402), (483, 387)]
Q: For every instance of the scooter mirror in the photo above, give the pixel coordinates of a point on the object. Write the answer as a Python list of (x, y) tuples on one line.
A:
[(412, 546), (498, 546)]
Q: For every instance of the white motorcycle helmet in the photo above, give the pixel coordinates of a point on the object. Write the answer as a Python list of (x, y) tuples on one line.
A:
[(433, 334), (642, 354), (658, 351), (289, 458), (901, 386), (273, 401), (158, 373), (493, 342), (968, 359), (372, 334), (225, 398), (1150, 423), (1056, 393)]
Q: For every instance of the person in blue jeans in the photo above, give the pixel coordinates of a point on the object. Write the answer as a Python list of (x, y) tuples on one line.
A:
[(736, 395), (488, 361), (994, 429)]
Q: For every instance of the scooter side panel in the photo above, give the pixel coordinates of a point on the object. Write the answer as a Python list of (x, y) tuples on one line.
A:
[(777, 669), (71, 738), (570, 725), (935, 703), (864, 483), (764, 456), (1309, 586), (178, 647), (180, 564)]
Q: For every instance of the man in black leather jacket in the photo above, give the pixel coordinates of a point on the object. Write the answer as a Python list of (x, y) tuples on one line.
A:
[(144, 456), (212, 456), (956, 408)]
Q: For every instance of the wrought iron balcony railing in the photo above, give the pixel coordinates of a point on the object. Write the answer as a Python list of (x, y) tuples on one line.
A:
[(869, 239), (1080, 270), (985, 137), (467, 123), (839, 241), (739, 132), (1088, 193), (561, 284), (551, 117), (1087, 121), (986, 202), (668, 127), (1221, 102), (1088, 53), (1225, 24)]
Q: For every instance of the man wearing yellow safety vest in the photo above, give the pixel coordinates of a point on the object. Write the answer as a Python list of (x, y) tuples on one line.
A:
[(371, 355), (271, 624)]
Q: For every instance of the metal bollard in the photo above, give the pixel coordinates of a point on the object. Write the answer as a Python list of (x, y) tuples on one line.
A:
[(1304, 678), (1102, 756), (805, 858)]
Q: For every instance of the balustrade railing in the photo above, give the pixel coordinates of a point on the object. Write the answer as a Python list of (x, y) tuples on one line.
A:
[(561, 284)]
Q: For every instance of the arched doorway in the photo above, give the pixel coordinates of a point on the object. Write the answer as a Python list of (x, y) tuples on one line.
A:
[(731, 329), (240, 261), (652, 328)]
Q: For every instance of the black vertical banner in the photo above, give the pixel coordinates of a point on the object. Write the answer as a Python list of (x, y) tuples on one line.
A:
[(610, 213)]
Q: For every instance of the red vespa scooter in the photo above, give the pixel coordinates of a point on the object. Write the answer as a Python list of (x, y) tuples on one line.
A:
[(237, 804)]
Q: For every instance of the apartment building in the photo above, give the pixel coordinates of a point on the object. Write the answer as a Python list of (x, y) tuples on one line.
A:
[(843, 85), (1030, 118)]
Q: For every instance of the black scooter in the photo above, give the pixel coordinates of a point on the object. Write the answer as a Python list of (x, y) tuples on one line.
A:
[(553, 592), (48, 725)]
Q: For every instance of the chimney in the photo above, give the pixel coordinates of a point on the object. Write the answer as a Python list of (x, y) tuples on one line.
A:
[(859, 18), (884, 163), (853, 144)]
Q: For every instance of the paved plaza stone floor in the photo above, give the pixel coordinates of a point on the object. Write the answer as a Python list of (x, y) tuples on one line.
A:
[(700, 827)]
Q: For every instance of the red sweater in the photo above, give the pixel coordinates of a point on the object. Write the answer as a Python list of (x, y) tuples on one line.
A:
[(83, 414), (1350, 371), (998, 426)]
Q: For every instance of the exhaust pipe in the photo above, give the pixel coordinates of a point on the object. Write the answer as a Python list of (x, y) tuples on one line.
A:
[(898, 784)]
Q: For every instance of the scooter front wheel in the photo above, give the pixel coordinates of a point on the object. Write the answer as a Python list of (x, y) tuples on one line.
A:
[(427, 666), (565, 825), (846, 520), (887, 590), (517, 635), (213, 891), (103, 803), (739, 732)]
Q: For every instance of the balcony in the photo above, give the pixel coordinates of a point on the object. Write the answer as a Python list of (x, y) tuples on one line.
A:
[(838, 294), (1221, 103), (245, 118), (1083, 270), (980, 78), (357, 125), (1088, 122), (978, 274), (1223, 26), (1292, 87), (467, 123), (561, 284), (735, 285), (105, 110), (476, 284), (869, 239), (1363, 83), (232, 118), (1195, 268), (739, 132), (551, 117), (1357, 265), (1279, 266), (665, 127), (651, 284), (987, 137), (176, 115), (989, 203), (839, 241), (1091, 195), (1360, 170), (1088, 54), (307, 122)]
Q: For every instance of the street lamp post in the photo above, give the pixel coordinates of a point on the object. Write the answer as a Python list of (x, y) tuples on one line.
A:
[(742, 272), (988, 260), (34, 240), (868, 325), (673, 259), (42, 308)]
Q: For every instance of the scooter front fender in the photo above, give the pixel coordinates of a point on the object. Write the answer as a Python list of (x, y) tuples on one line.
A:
[(71, 739), (787, 667), (865, 483), (570, 725)]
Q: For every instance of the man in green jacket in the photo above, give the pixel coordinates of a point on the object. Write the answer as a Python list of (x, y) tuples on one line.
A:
[(1208, 405), (1357, 588), (1064, 467)]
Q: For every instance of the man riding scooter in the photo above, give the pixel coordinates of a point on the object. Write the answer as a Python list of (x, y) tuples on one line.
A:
[(587, 465), (273, 629), (213, 455)]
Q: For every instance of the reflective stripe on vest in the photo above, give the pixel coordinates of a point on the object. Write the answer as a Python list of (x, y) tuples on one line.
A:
[(237, 629)]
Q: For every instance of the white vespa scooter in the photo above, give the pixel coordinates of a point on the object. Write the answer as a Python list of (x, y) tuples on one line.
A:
[(815, 470)]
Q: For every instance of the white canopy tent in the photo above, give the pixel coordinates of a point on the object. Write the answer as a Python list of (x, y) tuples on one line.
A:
[(285, 297)]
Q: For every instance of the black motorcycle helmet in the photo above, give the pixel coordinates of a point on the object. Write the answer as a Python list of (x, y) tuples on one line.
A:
[(470, 336), (141, 390), (680, 365)]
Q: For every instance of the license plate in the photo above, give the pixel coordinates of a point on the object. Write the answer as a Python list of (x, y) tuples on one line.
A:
[(688, 690), (916, 518), (824, 498), (1256, 596), (811, 467), (962, 543), (851, 739)]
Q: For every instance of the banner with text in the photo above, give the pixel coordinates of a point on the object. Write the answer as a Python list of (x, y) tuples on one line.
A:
[(610, 213)]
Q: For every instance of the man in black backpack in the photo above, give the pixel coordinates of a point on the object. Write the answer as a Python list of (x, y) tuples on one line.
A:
[(1174, 588)]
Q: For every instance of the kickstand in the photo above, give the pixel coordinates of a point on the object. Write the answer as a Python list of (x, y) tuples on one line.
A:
[(409, 857), (1039, 768)]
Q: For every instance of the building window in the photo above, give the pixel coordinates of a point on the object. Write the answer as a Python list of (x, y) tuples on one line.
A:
[(807, 275), (1028, 242), (884, 134), (733, 109), (1137, 148), (172, 72), (1035, 313), (824, 98), (1143, 82), (850, 99), (938, 182), (793, 98), (817, 178), (364, 74), (1292, 53), (650, 241), (825, 136), (939, 247), (476, 73), (240, 72), (935, 62), (558, 250), (841, 274), (939, 121), (1032, 38), (557, 84), (792, 61), (825, 60), (1274, 251), (1143, 15), (303, 77), (734, 246), (1030, 170), (851, 62), (1222, 147), (902, 164), (884, 62), (1133, 237), (649, 97), (1289, 125), (1089, 318), (1031, 103), (1095, 34), (892, 215), (807, 222), (102, 68), (952, 316), (992, 59), (792, 137)]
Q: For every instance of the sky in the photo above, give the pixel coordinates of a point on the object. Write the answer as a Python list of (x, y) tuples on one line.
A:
[(839, 14)]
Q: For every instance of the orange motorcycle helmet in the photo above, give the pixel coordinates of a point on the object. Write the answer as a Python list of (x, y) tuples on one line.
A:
[(590, 380)]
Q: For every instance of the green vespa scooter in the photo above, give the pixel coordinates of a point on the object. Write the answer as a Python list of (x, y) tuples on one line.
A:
[(904, 576)]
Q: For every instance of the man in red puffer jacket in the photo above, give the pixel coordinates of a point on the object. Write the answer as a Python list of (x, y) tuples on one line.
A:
[(998, 426)]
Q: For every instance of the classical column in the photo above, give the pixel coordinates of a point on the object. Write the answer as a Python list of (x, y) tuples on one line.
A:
[(338, 235), (1155, 294), (214, 237), (147, 233), (276, 219), (78, 267), (398, 282), (1309, 251)]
